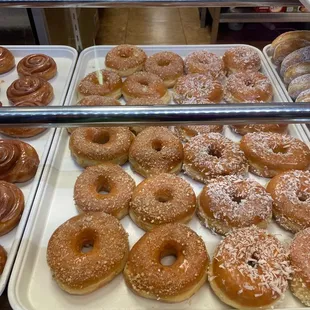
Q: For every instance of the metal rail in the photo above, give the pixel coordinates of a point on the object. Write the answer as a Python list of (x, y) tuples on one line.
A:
[(75, 116)]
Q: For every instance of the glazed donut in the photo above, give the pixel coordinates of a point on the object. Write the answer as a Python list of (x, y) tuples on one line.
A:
[(77, 272), (162, 199), (241, 58), (30, 89), (250, 269), (299, 257), (3, 257), (193, 88), (212, 155), (11, 207), (23, 132), (7, 60), (244, 129), (304, 96), (94, 146), (156, 150), (248, 87), (146, 275), (204, 62), (168, 66), (290, 192), (102, 83), (185, 133), (125, 59), (270, 153), (299, 85), (19, 161), (296, 70), (107, 177), (301, 55), (39, 65), (145, 85), (232, 202)]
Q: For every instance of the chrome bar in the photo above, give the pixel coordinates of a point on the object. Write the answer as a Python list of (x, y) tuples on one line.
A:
[(75, 116)]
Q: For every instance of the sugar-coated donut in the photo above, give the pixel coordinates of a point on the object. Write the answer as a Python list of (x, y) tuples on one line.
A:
[(248, 87), (212, 155), (270, 153), (232, 202), (145, 85), (107, 177), (291, 199), (102, 83), (162, 199), (168, 66), (77, 272), (244, 129), (241, 58), (125, 59), (11, 206), (156, 150), (3, 257), (148, 277), (296, 70), (93, 146), (304, 96), (300, 257), (298, 85), (7, 60), (250, 269)]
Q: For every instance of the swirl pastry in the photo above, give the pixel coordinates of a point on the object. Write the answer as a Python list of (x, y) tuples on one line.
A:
[(11, 206), (3, 257), (19, 161), (39, 65), (7, 60), (30, 88)]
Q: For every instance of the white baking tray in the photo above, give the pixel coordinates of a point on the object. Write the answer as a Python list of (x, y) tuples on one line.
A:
[(65, 58), (31, 286)]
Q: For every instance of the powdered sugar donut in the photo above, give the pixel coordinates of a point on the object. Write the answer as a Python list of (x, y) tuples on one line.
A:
[(298, 85), (304, 96)]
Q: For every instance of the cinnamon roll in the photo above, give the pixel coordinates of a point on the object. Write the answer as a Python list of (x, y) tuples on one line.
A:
[(30, 88), (39, 65), (19, 161), (11, 206), (7, 60), (3, 257)]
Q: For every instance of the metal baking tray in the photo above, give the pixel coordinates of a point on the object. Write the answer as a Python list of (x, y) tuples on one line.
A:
[(65, 58), (32, 287)]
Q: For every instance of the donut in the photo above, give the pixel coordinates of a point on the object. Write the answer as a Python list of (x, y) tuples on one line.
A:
[(290, 192), (241, 58), (212, 155), (299, 85), (156, 150), (3, 257), (168, 66), (107, 177), (185, 133), (299, 258), (39, 65), (23, 132), (270, 153), (244, 129), (162, 199), (194, 88), (94, 146), (204, 62), (7, 60), (101, 83), (296, 70), (148, 277), (77, 271), (30, 89), (19, 161), (250, 269), (248, 87), (125, 59), (145, 85), (304, 96), (231, 202), (11, 207)]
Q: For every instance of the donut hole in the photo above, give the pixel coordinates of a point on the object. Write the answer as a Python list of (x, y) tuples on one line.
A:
[(237, 199), (168, 257), (101, 138), (87, 246), (163, 62), (103, 188), (125, 53), (253, 261), (157, 145), (144, 83), (280, 149), (249, 83), (163, 196), (303, 196), (215, 152), (85, 241)]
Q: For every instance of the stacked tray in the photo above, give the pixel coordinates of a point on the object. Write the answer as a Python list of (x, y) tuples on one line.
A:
[(65, 58), (32, 286)]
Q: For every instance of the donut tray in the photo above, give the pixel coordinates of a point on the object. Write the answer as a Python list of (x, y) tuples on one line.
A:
[(54, 205), (65, 58)]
